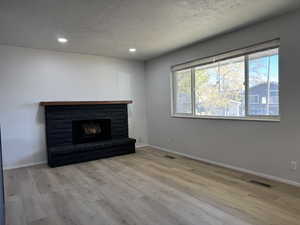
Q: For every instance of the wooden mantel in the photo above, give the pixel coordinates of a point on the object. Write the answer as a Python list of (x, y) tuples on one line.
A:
[(85, 103)]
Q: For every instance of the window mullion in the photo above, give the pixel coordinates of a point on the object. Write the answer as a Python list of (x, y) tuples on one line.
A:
[(173, 94), (246, 84), (193, 92)]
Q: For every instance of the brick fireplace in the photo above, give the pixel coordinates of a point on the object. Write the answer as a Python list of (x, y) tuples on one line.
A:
[(82, 131)]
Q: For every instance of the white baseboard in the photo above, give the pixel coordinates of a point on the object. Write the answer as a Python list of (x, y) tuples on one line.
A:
[(23, 165), (140, 145), (270, 177)]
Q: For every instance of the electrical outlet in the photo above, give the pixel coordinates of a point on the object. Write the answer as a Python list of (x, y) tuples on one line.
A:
[(293, 165)]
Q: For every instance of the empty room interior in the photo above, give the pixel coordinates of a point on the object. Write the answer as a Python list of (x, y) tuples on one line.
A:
[(149, 112)]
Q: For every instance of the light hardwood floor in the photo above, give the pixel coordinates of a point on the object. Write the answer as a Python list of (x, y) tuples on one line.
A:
[(145, 188)]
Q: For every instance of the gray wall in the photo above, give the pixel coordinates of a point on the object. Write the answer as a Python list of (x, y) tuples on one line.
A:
[(2, 201), (264, 147), (28, 76)]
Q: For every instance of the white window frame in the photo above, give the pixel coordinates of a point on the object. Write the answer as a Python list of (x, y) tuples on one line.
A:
[(269, 45)]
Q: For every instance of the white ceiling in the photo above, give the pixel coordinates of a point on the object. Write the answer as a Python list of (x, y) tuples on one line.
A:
[(110, 27)]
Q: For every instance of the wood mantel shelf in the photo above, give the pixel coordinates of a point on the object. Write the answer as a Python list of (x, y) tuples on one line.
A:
[(85, 103)]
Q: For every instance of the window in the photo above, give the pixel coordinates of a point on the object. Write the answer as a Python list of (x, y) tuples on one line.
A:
[(219, 88), (253, 99), (274, 97), (183, 90), (240, 86), (263, 81)]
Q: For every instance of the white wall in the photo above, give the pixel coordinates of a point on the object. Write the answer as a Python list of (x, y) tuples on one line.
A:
[(262, 147), (28, 76)]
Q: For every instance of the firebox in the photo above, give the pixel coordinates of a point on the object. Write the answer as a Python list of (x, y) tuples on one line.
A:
[(85, 131)]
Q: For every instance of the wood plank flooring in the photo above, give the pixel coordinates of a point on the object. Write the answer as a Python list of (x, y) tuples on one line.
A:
[(146, 188)]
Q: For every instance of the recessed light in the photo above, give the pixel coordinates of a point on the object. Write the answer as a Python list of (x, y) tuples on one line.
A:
[(132, 50), (62, 40)]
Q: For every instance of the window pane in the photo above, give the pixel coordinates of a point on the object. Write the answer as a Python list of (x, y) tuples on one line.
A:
[(219, 88), (264, 83), (253, 99), (183, 96)]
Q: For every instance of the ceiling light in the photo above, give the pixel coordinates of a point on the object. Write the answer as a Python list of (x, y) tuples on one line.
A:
[(62, 40), (132, 50)]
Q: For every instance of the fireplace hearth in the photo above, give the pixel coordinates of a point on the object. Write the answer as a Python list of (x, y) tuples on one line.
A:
[(82, 131)]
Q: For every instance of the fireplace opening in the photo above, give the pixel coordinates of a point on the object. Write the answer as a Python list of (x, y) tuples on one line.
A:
[(85, 131)]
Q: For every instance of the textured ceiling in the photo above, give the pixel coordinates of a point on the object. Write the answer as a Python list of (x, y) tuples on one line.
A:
[(110, 27)]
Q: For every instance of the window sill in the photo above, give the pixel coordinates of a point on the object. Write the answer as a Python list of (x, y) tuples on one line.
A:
[(264, 119)]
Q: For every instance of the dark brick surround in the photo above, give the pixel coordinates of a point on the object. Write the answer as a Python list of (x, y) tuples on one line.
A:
[(60, 147)]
